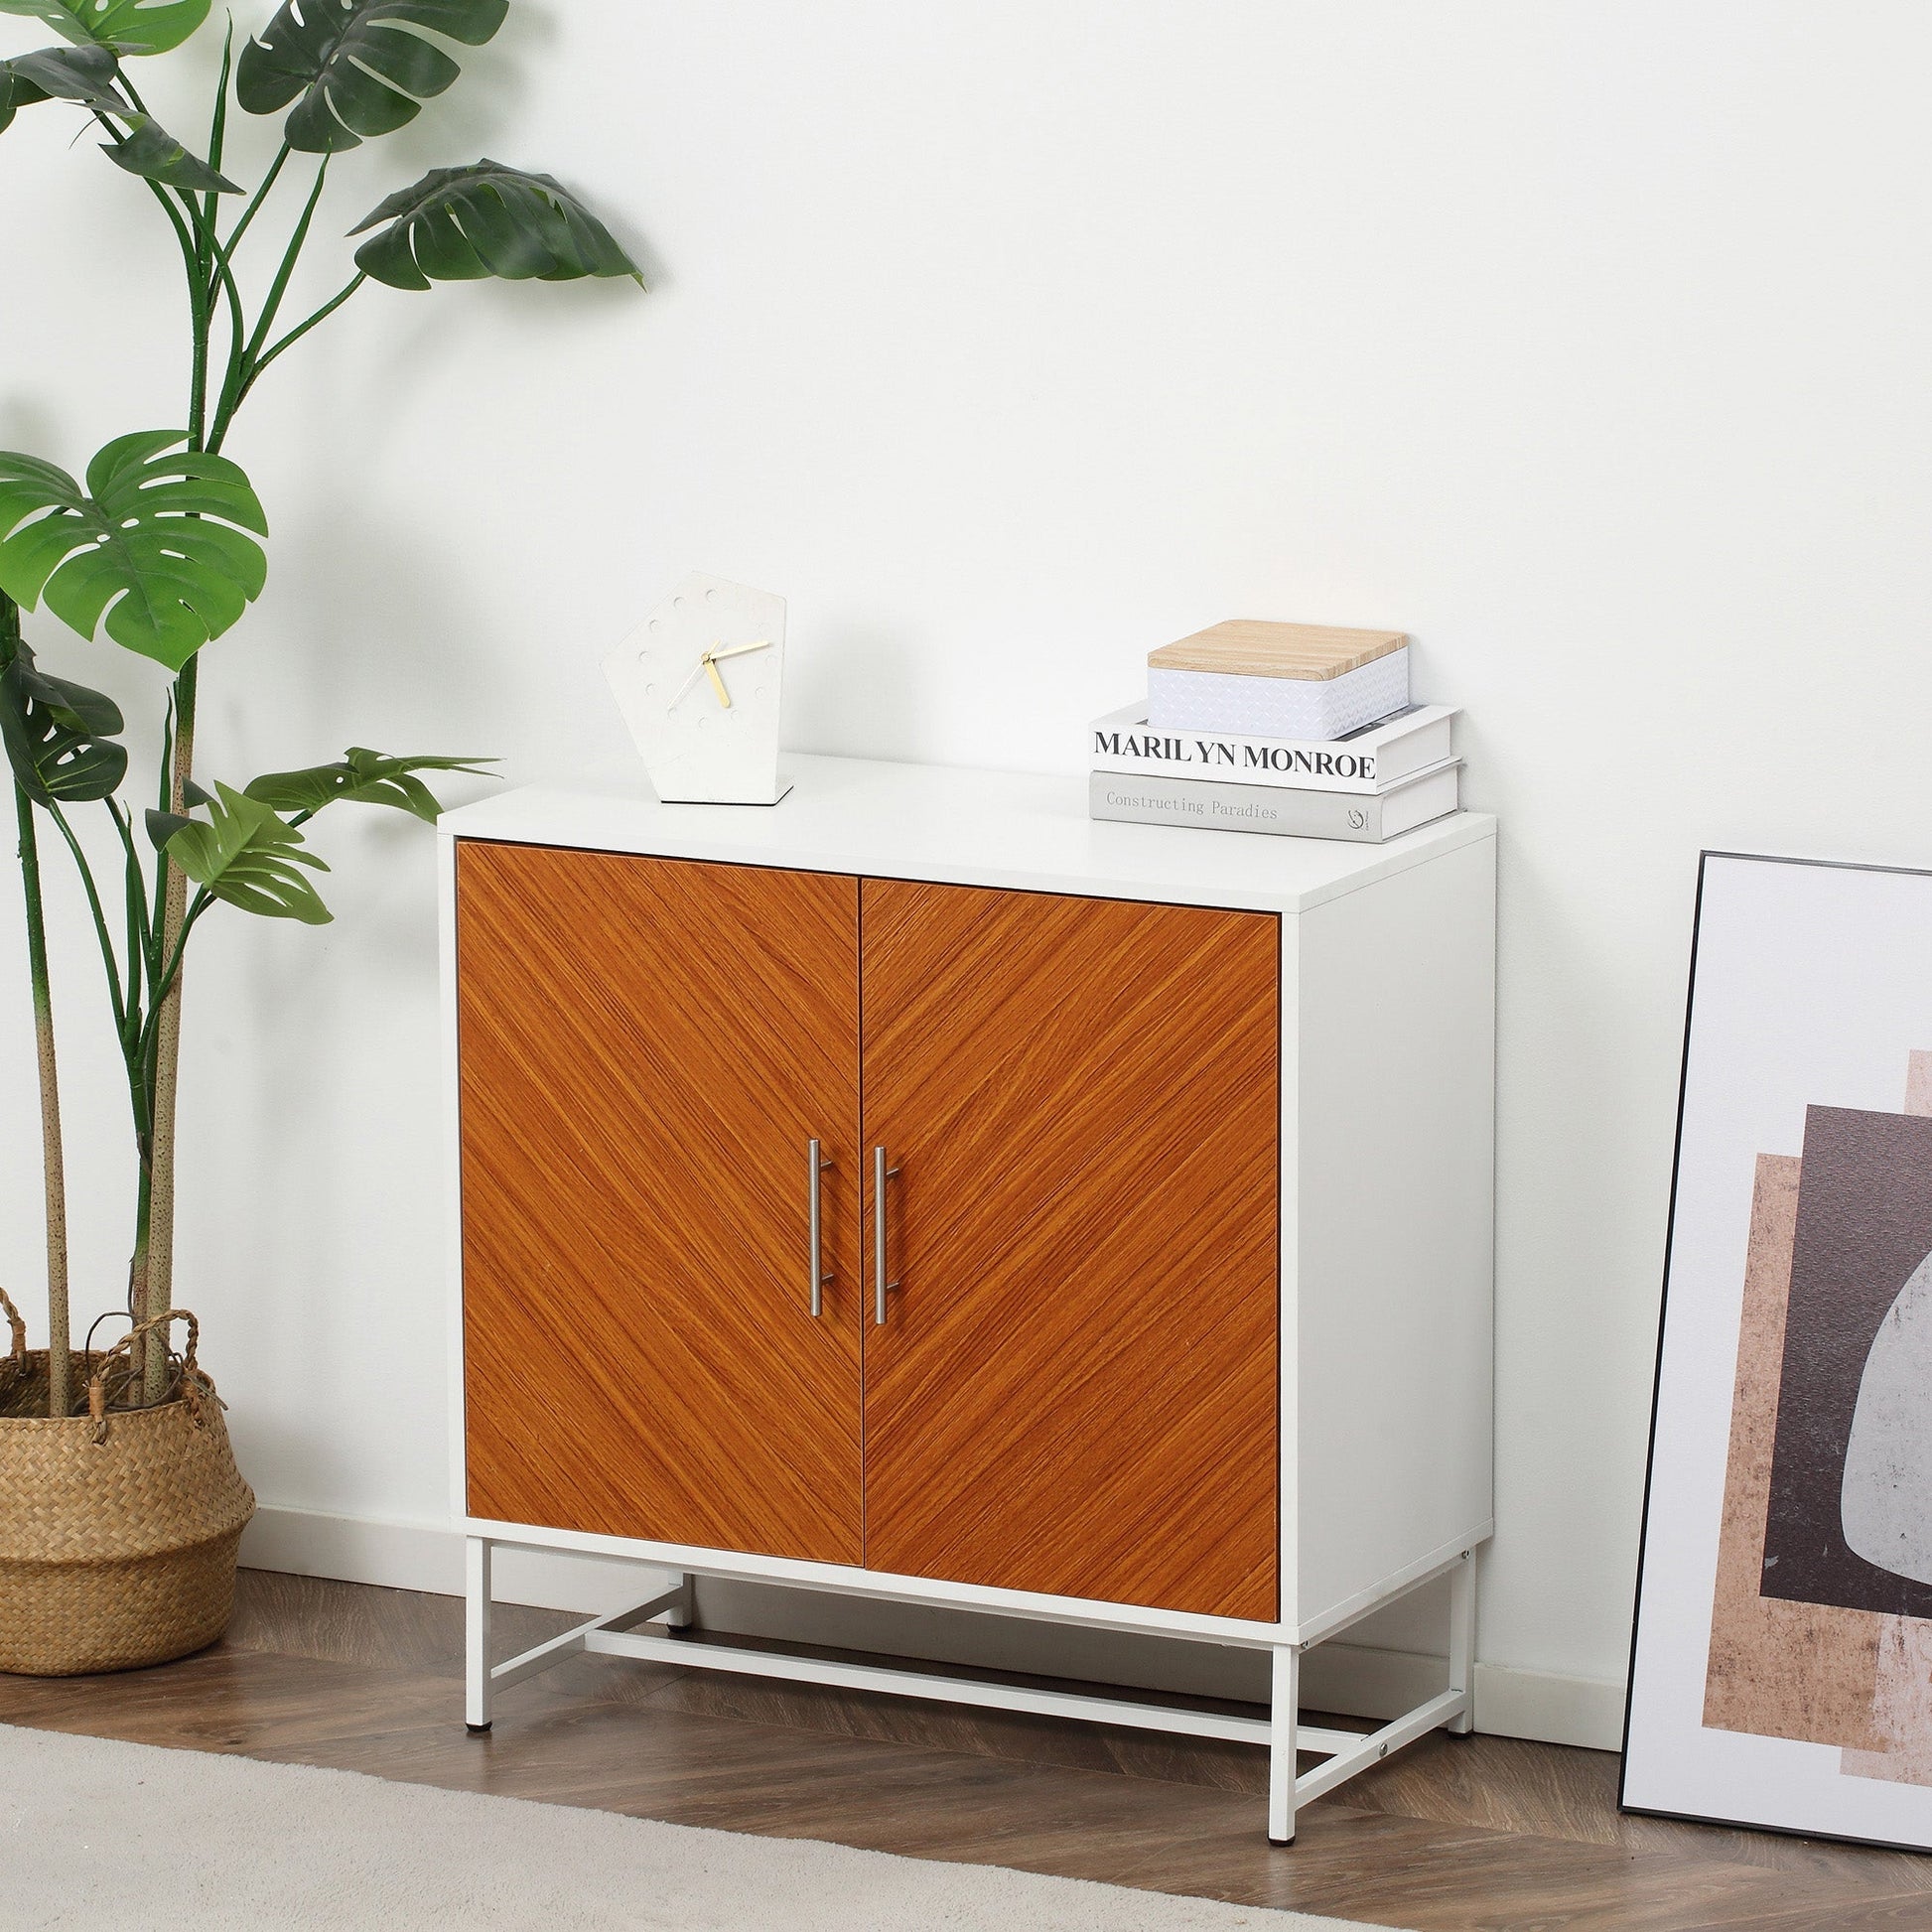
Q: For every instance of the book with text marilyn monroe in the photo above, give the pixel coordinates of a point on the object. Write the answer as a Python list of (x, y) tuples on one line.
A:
[(1367, 818), (1370, 759)]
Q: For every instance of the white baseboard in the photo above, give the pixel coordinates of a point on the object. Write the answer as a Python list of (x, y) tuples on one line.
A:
[(1586, 1710), (1357, 1680), (428, 1556)]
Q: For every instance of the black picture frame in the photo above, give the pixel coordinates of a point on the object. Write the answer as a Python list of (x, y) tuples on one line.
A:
[(1892, 1798)]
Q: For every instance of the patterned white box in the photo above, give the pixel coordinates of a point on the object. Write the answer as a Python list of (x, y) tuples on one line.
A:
[(1278, 707)]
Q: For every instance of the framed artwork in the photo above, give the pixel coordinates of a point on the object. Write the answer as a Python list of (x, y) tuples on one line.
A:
[(1781, 1668)]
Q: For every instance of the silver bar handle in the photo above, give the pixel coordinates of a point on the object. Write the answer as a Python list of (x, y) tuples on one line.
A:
[(816, 1166), (880, 1173)]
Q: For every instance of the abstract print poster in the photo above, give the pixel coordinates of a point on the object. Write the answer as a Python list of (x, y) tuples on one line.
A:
[(1781, 1673)]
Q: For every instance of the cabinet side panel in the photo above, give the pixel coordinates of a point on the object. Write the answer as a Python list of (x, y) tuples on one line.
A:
[(1394, 1234), (646, 1049), (1074, 1391)]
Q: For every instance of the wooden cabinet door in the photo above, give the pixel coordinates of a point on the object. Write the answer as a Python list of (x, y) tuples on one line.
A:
[(646, 1048), (1075, 1387)]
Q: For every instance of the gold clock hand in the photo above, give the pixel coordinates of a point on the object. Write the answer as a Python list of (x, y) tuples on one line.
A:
[(717, 683)]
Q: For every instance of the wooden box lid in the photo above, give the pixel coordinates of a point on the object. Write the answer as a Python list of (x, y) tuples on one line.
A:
[(1248, 647)]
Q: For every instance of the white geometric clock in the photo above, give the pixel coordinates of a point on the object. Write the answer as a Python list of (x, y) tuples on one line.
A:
[(698, 684)]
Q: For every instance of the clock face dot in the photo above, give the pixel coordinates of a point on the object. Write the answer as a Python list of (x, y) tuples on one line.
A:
[(711, 596), (760, 691), (678, 603)]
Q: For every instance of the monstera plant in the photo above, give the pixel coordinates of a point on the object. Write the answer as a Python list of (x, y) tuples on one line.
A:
[(161, 544)]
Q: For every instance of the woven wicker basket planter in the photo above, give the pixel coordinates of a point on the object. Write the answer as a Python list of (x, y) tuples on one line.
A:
[(118, 1529)]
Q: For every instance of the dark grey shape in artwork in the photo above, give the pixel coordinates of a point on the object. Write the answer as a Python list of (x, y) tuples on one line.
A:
[(1865, 1227)]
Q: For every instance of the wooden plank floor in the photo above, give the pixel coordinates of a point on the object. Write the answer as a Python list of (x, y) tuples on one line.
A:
[(1484, 1835)]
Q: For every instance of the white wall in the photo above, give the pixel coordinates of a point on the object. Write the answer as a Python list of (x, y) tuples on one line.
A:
[(1586, 344)]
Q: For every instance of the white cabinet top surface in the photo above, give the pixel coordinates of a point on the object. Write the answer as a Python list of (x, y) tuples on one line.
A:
[(969, 827)]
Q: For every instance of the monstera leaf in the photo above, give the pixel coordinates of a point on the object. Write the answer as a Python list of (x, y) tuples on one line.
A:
[(459, 224), (83, 75), (157, 542), (249, 857), (150, 150), (127, 25), (87, 76), (356, 67), (15, 94), (363, 777), (58, 736), (80, 74)]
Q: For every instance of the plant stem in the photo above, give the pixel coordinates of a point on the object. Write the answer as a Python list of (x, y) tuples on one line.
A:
[(218, 138), (132, 1032), (215, 256), (155, 1056), (137, 1266), (108, 961), (142, 956), (158, 1286), (60, 1337), (296, 333), (198, 386), (153, 1051), (256, 199), (244, 365), (167, 975)]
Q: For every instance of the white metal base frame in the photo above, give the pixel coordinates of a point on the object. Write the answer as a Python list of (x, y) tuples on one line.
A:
[(1281, 1732)]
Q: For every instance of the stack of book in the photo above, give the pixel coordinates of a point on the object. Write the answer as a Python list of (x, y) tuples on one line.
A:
[(1295, 729)]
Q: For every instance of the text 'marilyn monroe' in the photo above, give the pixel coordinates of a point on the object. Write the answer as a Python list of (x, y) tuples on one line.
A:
[(1219, 752)]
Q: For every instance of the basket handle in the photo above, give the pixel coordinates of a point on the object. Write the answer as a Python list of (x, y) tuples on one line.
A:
[(17, 1361), (191, 1378)]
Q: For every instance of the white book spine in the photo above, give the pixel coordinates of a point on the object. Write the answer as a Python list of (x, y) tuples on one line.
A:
[(1285, 811), (1370, 761)]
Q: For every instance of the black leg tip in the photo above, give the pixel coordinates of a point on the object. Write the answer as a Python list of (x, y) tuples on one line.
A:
[(476, 1731), (1283, 1842)]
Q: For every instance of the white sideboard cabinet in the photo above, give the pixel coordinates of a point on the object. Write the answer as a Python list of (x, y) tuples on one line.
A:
[(921, 1192)]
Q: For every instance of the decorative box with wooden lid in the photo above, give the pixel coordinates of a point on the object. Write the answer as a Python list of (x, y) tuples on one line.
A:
[(1278, 680)]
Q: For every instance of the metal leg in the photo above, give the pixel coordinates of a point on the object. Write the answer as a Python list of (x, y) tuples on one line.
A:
[(1283, 1712), (1463, 1642), (475, 1631), (683, 1615), (644, 1629)]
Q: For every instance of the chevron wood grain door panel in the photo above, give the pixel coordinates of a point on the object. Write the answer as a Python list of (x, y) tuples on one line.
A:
[(1076, 1389), (646, 1046)]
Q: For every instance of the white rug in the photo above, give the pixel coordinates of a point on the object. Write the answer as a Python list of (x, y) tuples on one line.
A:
[(94, 1833)]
